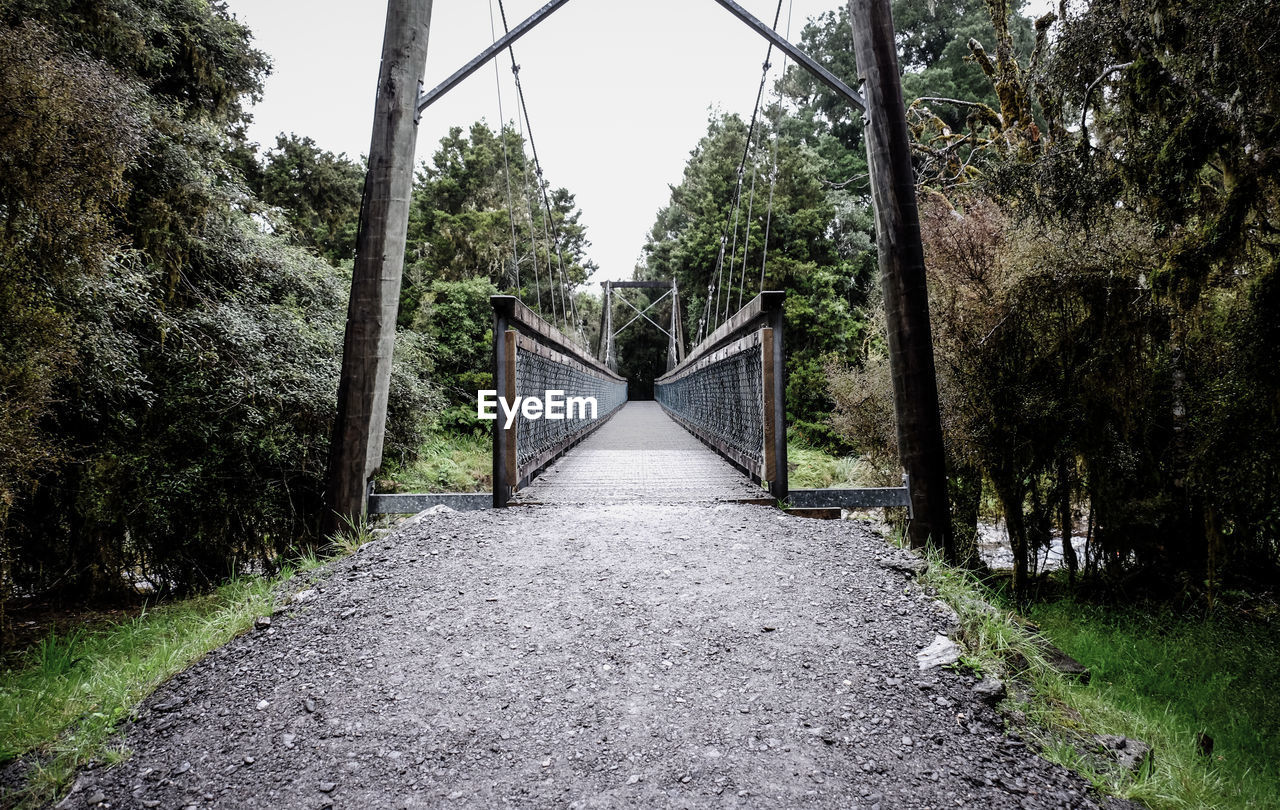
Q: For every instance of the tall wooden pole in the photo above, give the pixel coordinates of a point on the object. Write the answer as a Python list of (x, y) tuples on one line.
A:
[(902, 276), (356, 449)]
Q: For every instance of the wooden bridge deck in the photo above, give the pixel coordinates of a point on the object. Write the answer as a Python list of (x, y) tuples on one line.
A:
[(641, 454)]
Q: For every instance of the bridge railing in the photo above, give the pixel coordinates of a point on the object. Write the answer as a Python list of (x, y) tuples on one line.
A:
[(532, 358), (730, 392)]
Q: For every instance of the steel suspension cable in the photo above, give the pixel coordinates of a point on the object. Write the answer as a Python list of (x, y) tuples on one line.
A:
[(737, 193), (506, 162), (746, 239), (773, 169), (546, 200), (524, 173), (532, 201)]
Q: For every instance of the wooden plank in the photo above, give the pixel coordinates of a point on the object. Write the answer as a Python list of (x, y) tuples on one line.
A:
[(529, 322), (755, 313), (816, 513), (778, 486), (864, 498), (648, 285), (509, 434)]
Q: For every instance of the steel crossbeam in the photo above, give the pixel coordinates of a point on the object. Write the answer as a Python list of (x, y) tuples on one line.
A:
[(640, 313)]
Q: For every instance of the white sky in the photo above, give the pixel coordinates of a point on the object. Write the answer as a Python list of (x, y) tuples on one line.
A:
[(618, 90)]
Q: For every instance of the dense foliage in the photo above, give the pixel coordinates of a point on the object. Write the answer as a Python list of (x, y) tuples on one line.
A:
[(794, 232), (168, 360), (1102, 244), (479, 225)]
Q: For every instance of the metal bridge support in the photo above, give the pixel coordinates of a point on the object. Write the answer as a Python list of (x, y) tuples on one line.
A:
[(609, 335), (356, 449), (609, 354), (902, 275)]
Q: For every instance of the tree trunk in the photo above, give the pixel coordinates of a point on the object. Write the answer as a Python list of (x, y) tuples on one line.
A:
[(902, 276), (1011, 497), (1064, 519), (965, 489)]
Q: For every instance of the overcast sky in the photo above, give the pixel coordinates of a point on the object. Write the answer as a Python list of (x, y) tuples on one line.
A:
[(618, 91)]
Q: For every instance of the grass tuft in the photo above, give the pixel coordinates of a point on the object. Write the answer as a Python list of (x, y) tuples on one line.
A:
[(447, 462), (1157, 679), (62, 702), (811, 468)]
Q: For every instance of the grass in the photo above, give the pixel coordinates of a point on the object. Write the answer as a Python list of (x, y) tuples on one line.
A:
[(1182, 676), (1156, 677), (447, 462), (63, 700), (811, 468)]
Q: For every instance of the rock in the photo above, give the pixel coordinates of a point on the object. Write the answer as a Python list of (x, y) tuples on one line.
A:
[(327, 787), (97, 797), (633, 779), (288, 739), (249, 760), (348, 613), (310, 705), (907, 565), (941, 652), (302, 597), (181, 769), (262, 622), (1059, 660), (990, 690), (438, 509), (950, 619), (1129, 753), (171, 705)]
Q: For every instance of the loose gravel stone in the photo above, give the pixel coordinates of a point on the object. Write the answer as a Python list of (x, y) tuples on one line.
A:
[(626, 662)]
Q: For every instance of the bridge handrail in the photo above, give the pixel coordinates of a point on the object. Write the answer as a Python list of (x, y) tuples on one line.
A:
[(757, 327), (527, 321), (763, 310), (525, 349)]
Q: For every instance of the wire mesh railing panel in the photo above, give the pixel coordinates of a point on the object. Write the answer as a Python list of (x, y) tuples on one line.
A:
[(574, 399), (722, 399)]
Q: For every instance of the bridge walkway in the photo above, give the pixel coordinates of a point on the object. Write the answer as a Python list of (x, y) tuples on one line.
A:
[(641, 454)]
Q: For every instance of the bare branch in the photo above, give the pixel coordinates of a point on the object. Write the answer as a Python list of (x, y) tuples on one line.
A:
[(1088, 94)]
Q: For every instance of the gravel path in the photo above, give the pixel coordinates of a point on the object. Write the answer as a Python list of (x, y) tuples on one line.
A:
[(587, 657)]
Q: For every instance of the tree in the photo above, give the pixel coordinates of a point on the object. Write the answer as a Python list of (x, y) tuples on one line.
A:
[(479, 210), (167, 372), (318, 191), (817, 249)]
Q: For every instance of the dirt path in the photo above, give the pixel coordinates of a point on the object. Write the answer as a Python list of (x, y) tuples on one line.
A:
[(627, 655)]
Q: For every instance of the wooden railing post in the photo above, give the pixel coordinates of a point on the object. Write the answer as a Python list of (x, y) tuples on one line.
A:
[(504, 383), (778, 486)]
